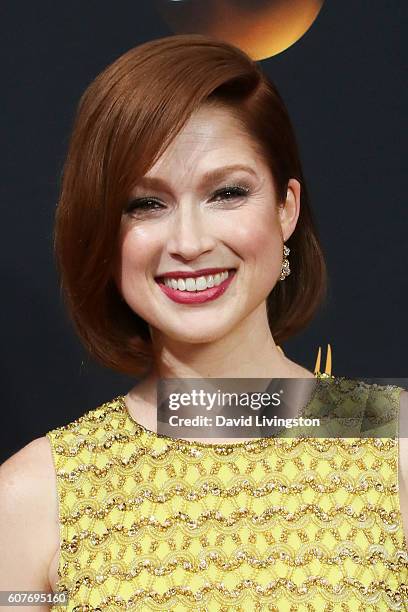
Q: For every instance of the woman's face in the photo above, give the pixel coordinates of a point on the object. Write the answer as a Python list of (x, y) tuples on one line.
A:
[(201, 241)]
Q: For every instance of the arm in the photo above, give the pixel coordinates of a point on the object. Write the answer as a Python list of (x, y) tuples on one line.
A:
[(29, 529), (403, 461)]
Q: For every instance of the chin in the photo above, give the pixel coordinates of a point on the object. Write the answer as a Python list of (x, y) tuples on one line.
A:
[(197, 335)]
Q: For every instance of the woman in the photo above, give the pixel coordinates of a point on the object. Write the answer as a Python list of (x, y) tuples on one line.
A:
[(187, 249)]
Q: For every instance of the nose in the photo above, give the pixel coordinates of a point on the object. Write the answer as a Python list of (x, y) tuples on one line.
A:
[(190, 233)]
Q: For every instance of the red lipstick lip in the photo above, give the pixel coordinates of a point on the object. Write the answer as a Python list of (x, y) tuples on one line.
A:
[(197, 297), (192, 274)]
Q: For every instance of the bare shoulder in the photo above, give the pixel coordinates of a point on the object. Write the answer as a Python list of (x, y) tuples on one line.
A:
[(36, 455), (28, 470), (404, 400), (29, 529)]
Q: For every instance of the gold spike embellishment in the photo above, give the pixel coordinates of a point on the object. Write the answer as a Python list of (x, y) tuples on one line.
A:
[(328, 366)]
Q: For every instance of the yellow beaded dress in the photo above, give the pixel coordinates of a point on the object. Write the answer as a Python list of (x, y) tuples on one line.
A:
[(149, 522)]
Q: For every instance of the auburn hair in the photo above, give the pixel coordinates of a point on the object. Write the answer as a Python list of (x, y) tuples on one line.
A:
[(125, 120)]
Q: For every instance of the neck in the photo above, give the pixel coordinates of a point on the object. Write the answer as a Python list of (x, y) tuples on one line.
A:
[(249, 351)]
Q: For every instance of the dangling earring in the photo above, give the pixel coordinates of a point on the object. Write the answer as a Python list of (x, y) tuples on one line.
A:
[(285, 263)]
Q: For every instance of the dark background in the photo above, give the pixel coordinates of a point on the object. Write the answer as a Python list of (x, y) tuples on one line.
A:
[(344, 85)]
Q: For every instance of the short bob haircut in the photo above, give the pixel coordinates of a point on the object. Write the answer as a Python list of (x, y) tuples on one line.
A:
[(126, 119)]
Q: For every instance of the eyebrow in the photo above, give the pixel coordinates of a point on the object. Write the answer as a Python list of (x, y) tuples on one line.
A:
[(210, 177)]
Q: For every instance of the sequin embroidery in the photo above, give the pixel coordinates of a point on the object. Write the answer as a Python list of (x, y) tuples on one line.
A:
[(154, 523)]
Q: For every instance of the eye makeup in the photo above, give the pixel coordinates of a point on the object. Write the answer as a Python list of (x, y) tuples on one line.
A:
[(151, 204)]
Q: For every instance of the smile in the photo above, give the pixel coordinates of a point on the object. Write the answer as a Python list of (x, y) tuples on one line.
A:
[(193, 290)]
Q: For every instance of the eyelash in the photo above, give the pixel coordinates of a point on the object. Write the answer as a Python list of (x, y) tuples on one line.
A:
[(142, 204)]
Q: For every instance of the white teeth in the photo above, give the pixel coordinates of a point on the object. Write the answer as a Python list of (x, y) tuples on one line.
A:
[(190, 284), (198, 283)]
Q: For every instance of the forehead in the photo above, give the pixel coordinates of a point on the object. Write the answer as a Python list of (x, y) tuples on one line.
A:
[(212, 136)]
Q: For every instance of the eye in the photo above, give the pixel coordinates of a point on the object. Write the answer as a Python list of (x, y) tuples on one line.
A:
[(230, 193), (144, 205)]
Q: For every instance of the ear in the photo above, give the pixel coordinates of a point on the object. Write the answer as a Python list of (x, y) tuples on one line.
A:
[(289, 210)]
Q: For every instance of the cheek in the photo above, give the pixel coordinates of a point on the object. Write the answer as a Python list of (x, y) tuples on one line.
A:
[(259, 240), (138, 250), (135, 258), (260, 246)]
